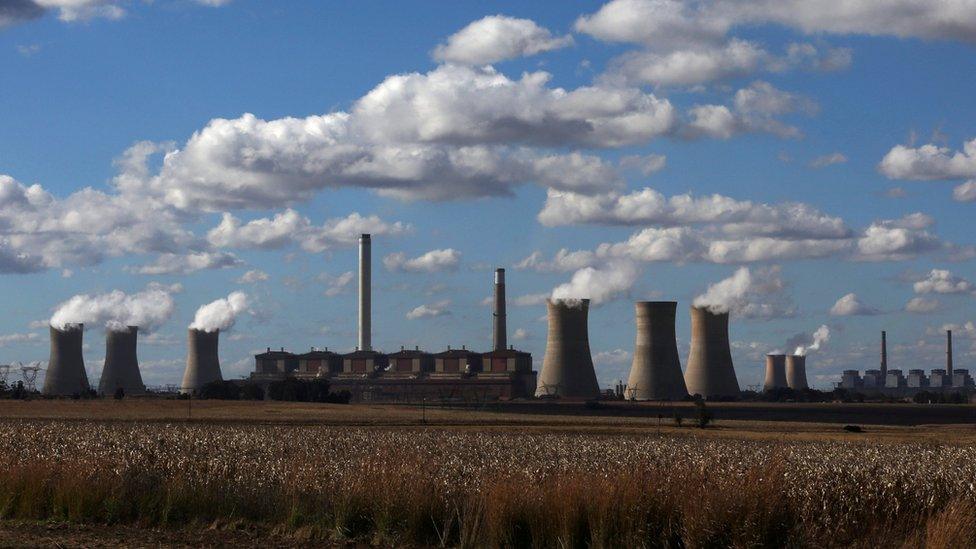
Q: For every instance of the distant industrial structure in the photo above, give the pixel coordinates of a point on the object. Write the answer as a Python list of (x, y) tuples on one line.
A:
[(408, 374), (710, 371), (66, 374), (775, 373), (796, 372), (501, 373), (894, 382), (567, 369), (202, 360), (121, 369), (655, 373)]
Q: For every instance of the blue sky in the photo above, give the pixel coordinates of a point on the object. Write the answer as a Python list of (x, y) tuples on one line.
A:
[(664, 146)]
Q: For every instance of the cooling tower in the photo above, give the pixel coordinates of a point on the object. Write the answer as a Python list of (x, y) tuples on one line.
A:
[(710, 372), (365, 295), (499, 337), (775, 372), (66, 367), (567, 369), (121, 370), (655, 373), (796, 372), (202, 363)]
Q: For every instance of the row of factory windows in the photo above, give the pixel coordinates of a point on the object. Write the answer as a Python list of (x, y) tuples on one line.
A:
[(452, 361)]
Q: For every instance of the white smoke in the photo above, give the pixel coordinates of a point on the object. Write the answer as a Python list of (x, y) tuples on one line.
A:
[(220, 314), (821, 336), (749, 294), (115, 310), (599, 285)]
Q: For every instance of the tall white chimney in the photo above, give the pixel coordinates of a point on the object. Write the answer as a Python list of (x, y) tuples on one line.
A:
[(365, 302)]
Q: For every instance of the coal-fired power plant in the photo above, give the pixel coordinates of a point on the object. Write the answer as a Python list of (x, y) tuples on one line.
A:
[(66, 366), (796, 372), (775, 373), (655, 373), (498, 331), (710, 371), (365, 296), (567, 369), (202, 362), (121, 370)]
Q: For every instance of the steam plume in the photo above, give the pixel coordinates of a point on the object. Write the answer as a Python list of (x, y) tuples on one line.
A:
[(599, 285), (821, 336), (220, 314), (147, 309), (749, 294)]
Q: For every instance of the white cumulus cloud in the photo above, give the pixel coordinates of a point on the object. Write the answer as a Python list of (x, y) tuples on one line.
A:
[(851, 305), (497, 38), (942, 281), (433, 261), (429, 310)]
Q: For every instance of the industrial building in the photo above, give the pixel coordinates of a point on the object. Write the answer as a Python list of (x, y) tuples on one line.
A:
[(775, 373), (655, 373), (408, 374), (796, 372), (202, 360), (893, 382), (66, 374), (121, 369), (567, 369), (710, 372)]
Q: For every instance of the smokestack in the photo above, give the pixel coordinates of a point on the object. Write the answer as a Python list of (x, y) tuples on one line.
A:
[(567, 369), (202, 362), (66, 366), (775, 372), (949, 352), (655, 373), (365, 297), (796, 372), (884, 355), (498, 328), (121, 370), (710, 371)]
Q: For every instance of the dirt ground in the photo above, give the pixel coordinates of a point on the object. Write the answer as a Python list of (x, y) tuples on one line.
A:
[(895, 422)]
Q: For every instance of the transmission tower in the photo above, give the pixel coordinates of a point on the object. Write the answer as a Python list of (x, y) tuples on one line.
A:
[(29, 374)]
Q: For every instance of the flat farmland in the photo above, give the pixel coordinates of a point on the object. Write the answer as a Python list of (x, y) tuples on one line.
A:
[(209, 473)]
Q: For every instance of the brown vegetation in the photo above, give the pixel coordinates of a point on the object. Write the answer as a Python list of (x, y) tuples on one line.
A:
[(411, 486)]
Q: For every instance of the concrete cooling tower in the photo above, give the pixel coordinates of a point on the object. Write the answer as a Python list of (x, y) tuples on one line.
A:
[(655, 373), (202, 363), (796, 372), (66, 367), (775, 372), (710, 372), (567, 369), (121, 370)]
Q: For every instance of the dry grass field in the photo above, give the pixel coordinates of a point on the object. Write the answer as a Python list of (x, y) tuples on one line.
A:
[(279, 474)]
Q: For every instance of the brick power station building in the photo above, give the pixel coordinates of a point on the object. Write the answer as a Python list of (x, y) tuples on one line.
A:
[(409, 374)]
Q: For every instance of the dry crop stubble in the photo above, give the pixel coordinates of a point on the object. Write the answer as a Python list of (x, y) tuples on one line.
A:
[(470, 488)]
